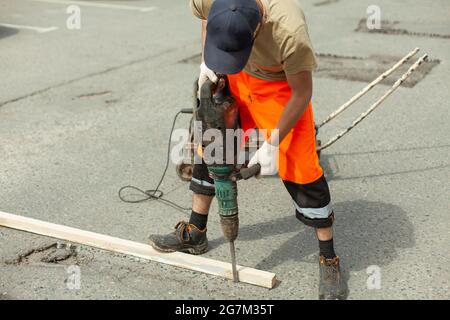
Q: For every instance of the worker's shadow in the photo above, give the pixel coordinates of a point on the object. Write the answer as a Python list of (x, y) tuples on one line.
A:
[(366, 233)]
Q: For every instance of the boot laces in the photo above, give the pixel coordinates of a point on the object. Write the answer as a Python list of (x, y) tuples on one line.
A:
[(331, 270), (185, 228)]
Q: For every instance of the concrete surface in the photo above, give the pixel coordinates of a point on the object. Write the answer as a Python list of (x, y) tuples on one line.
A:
[(84, 112)]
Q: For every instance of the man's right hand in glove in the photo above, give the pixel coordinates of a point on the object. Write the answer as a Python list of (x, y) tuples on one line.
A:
[(205, 74)]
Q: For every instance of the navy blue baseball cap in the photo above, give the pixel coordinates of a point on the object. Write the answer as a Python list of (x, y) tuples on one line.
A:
[(230, 34)]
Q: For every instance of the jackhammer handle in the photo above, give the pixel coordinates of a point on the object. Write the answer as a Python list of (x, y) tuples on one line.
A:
[(247, 173)]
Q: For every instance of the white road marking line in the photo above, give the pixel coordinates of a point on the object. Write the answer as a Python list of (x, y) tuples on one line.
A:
[(99, 5), (37, 29)]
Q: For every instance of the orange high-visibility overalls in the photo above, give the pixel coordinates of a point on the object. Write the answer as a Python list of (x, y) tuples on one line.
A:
[(261, 103)]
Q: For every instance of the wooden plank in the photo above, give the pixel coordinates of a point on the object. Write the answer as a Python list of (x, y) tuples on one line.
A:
[(105, 242)]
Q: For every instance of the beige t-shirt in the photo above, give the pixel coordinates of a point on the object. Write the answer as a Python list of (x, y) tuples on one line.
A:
[(282, 44)]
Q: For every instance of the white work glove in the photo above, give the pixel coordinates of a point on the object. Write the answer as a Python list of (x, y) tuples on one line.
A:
[(205, 73), (267, 157)]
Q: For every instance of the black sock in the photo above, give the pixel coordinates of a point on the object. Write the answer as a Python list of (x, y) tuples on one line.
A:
[(327, 249), (198, 220)]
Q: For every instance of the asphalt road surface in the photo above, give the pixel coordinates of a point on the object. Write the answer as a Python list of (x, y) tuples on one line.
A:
[(86, 111)]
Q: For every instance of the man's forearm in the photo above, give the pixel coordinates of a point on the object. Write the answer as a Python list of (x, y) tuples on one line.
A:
[(302, 87), (291, 114)]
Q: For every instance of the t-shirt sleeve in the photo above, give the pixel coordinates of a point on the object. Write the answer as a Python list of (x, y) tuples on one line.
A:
[(200, 8), (297, 53)]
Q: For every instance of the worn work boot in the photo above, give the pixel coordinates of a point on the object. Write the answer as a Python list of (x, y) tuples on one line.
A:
[(332, 286), (186, 238)]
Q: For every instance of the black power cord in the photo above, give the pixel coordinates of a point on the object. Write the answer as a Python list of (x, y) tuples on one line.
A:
[(156, 194)]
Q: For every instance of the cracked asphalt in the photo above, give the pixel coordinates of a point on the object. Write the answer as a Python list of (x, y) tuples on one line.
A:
[(85, 112)]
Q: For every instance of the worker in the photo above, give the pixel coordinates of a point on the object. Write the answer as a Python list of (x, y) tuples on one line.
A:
[(264, 48)]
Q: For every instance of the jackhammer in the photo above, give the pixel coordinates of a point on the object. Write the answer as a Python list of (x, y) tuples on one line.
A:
[(216, 109)]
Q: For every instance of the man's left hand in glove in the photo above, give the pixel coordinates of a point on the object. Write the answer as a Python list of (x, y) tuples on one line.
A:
[(267, 156)]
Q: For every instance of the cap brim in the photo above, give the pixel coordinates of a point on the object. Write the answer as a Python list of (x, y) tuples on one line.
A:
[(224, 62)]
